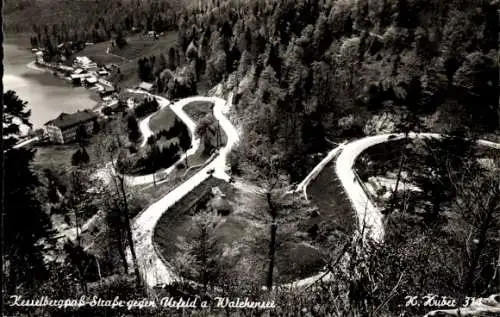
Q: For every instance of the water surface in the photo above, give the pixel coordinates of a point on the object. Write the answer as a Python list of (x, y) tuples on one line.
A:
[(47, 95)]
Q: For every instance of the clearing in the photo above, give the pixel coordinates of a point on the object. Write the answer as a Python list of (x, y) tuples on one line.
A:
[(198, 109), (162, 120), (138, 46), (241, 238)]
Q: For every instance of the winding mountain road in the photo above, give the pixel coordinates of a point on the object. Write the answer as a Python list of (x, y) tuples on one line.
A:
[(154, 271), (178, 109), (371, 216)]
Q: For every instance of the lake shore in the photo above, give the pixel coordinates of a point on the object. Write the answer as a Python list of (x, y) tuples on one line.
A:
[(47, 95), (34, 66)]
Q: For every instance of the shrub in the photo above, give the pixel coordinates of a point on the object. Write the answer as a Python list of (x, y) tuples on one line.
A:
[(233, 160), (107, 111), (80, 157), (147, 107)]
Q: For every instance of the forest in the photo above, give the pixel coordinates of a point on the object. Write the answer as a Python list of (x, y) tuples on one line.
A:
[(310, 70), (313, 69)]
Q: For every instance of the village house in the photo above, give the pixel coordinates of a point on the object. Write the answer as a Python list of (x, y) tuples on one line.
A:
[(63, 128), (39, 56), (105, 83), (131, 101), (103, 72), (84, 62), (106, 91), (90, 81), (148, 87), (152, 35), (78, 79), (117, 106)]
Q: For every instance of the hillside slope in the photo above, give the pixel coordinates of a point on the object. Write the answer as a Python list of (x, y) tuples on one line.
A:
[(324, 68)]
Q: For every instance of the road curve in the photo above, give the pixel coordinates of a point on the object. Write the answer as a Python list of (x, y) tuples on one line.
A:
[(366, 211), (144, 123), (302, 186), (26, 142), (154, 271), (178, 109), (371, 216)]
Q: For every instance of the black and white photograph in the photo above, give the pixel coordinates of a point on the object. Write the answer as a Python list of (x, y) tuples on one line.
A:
[(250, 158)]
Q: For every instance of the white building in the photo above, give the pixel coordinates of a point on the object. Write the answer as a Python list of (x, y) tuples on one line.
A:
[(92, 80), (103, 73), (39, 56), (145, 86), (84, 62), (105, 83)]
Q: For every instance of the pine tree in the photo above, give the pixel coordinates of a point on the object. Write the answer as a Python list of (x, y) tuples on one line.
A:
[(25, 223), (133, 129), (80, 157), (205, 130), (184, 138), (82, 136), (15, 114)]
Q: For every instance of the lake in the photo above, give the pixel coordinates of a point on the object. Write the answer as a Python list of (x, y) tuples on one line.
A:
[(47, 95)]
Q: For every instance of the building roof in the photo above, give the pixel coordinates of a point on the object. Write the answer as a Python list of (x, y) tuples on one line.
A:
[(81, 76), (107, 88), (64, 67), (83, 60), (110, 66), (105, 82), (91, 80), (65, 120), (146, 86)]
